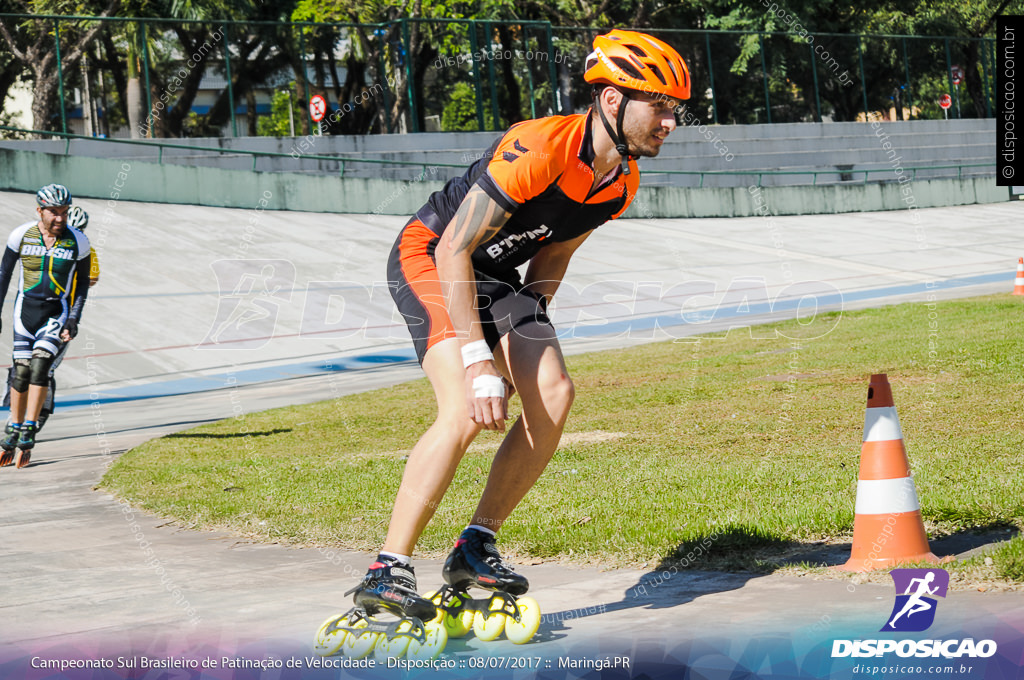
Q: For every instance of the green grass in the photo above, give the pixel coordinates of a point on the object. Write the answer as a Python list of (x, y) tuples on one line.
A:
[(712, 445)]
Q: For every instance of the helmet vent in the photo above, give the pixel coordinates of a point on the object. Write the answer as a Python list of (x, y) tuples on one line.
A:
[(627, 67), (657, 72), (637, 51), (672, 67)]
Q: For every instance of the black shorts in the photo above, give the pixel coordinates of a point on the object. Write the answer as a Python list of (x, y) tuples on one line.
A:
[(503, 306)]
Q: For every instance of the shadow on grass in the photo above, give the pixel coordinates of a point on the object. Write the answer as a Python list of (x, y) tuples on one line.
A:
[(961, 544), (228, 435), (727, 560)]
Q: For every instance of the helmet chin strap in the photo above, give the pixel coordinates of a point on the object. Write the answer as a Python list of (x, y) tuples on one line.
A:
[(618, 139)]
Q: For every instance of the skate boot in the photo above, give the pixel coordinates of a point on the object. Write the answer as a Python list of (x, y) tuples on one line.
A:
[(10, 442), (392, 587), (475, 562), (26, 442), (387, 587)]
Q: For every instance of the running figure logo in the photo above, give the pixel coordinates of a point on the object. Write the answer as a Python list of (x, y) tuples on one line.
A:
[(913, 610), (251, 294)]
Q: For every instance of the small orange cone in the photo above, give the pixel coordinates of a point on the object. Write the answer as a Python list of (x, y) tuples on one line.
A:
[(1018, 283), (887, 525)]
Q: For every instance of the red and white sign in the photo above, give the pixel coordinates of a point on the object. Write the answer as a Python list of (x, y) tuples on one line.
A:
[(317, 108), (958, 74), (945, 101)]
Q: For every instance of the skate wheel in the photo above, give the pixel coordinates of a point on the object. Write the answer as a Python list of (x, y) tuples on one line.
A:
[(435, 597), (6, 458), (331, 637), (360, 646), (394, 648), (488, 627), (529, 621), (22, 459), (432, 646), (455, 626)]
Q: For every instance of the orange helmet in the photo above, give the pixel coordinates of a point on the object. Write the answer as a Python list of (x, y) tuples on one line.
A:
[(637, 61)]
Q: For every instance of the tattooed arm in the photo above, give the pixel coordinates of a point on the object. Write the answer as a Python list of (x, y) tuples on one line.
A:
[(478, 219)]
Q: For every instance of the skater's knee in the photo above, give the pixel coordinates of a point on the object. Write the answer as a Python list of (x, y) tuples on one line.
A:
[(558, 392), (458, 426), (39, 368), (22, 374)]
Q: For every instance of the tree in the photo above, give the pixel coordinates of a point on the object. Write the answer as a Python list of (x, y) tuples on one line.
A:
[(10, 70), (32, 44)]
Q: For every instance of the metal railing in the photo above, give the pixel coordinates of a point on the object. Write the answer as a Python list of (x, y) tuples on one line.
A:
[(68, 137), (959, 167), (797, 79), (425, 167)]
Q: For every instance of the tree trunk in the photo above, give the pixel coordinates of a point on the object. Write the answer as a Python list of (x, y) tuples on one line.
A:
[(250, 111), (512, 103), (43, 101), (341, 95), (87, 117), (972, 80), (113, 66), (298, 70), (138, 124), (373, 53), (564, 89), (8, 75), (424, 58)]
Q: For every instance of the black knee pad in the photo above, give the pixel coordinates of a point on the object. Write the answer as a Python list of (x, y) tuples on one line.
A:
[(22, 372), (39, 368)]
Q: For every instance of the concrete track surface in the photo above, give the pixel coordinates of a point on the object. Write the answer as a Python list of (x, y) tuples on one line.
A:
[(203, 313)]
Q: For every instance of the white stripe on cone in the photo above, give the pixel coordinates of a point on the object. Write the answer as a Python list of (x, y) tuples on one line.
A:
[(884, 496), (881, 424)]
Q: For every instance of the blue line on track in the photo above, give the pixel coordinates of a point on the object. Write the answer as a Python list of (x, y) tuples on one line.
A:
[(253, 376)]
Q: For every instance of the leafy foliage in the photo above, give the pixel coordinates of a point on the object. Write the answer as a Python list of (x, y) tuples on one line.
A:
[(801, 83)]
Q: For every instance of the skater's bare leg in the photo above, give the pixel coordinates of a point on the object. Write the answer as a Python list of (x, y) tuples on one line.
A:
[(18, 402), (433, 461), (35, 401), (542, 381)]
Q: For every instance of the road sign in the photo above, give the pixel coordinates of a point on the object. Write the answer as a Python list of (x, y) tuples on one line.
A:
[(958, 74), (945, 101), (317, 108)]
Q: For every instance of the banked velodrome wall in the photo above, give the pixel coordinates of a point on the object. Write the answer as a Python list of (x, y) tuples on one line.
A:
[(143, 181)]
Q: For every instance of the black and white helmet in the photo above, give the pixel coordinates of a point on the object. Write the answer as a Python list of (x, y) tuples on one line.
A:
[(53, 195), (78, 218)]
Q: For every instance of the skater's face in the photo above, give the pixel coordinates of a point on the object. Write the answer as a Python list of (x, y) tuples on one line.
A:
[(53, 218), (649, 120)]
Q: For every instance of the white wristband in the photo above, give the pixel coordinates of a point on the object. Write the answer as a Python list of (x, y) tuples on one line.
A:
[(475, 352), (488, 386)]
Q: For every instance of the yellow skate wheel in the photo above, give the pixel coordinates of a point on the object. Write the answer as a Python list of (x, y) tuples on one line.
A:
[(394, 648), (434, 597), (523, 631), (455, 626), (488, 627), (360, 646), (433, 645), (331, 637)]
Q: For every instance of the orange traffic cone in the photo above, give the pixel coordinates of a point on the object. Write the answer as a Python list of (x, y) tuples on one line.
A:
[(1018, 283), (887, 526)]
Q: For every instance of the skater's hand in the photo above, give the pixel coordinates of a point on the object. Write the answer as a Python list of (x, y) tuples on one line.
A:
[(70, 330), (486, 396)]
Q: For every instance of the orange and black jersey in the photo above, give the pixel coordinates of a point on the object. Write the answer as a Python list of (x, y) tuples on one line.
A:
[(541, 171)]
